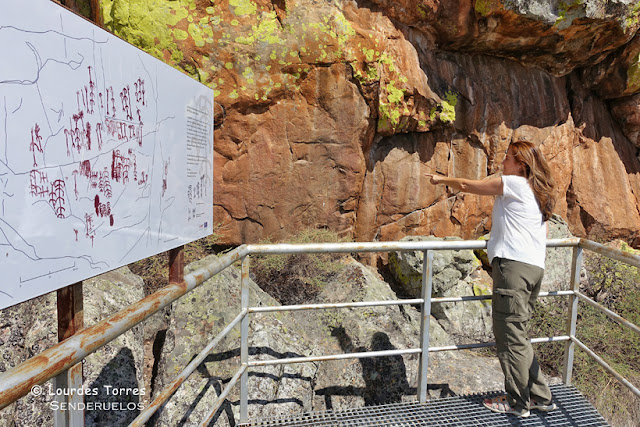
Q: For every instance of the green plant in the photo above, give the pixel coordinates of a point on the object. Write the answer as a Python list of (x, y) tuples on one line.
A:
[(297, 278), (616, 286)]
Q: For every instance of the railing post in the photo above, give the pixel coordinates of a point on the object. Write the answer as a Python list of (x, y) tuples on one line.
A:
[(427, 278), (244, 344), (576, 266)]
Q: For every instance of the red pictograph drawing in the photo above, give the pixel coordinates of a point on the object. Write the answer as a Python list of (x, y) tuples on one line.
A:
[(104, 183), (75, 183), (89, 232), (38, 184), (120, 165), (84, 92), (88, 225), (84, 131), (139, 91), (164, 176), (103, 209), (78, 134), (111, 102), (123, 130), (94, 180), (88, 136), (56, 197), (85, 168), (116, 166), (92, 93), (143, 178), (139, 135), (125, 99), (36, 143), (132, 158), (99, 135), (107, 184), (101, 183)]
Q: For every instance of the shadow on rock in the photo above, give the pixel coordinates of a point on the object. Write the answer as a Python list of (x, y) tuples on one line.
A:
[(385, 377), (116, 401)]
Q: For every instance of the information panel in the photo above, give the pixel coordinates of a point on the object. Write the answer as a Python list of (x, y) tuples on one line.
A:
[(106, 153)]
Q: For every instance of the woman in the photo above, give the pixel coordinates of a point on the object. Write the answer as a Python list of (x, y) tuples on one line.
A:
[(517, 252)]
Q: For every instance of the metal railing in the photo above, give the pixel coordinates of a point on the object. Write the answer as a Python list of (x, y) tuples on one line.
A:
[(18, 381)]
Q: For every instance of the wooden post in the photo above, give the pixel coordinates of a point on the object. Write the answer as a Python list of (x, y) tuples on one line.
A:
[(70, 321), (176, 265)]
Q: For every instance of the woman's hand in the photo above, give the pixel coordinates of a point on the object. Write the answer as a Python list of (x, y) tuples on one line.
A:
[(483, 187), (435, 179)]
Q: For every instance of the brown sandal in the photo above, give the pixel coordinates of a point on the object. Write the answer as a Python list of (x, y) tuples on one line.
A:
[(500, 405)]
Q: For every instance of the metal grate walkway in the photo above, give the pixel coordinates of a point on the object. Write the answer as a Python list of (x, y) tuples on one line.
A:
[(574, 410)]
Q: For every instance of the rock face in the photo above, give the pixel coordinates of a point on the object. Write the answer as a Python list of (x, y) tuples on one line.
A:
[(328, 113), (26, 330), (119, 364), (557, 272)]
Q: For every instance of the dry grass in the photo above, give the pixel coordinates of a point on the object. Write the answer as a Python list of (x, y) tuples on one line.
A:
[(155, 270), (297, 278)]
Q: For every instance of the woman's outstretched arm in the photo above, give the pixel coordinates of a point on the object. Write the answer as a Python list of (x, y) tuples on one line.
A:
[(484, 187)]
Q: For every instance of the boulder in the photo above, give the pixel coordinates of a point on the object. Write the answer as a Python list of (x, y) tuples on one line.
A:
[(115, 370), (198, 318), (557, 272), (27, 329), (452, 272)]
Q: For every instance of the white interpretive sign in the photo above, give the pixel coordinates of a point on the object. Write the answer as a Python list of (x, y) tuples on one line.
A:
[(106, 153)]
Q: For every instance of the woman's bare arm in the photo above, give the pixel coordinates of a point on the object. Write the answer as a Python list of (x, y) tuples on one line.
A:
[(484, 187)]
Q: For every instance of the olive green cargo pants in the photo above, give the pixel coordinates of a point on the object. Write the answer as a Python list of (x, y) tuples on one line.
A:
[(516, 286)]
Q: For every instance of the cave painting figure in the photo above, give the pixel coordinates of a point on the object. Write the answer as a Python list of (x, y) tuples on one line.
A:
[(517, 251)]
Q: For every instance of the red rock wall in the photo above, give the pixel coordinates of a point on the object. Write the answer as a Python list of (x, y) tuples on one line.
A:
[(328, 113)]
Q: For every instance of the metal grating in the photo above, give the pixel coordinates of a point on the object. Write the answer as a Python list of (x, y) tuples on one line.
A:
[(574, 410)]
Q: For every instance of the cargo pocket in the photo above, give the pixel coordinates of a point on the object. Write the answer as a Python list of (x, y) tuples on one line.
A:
[(505, 301)]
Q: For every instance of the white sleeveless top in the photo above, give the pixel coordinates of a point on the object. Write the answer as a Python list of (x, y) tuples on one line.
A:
[(518, 231)]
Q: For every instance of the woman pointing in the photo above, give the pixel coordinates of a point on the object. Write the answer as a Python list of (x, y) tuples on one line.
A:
[(517, 253)]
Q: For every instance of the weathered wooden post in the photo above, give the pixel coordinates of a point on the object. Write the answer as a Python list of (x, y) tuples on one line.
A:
[(176, 264), (69, 410)]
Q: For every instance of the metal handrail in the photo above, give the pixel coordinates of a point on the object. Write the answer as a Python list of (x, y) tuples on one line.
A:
[(51, 362), (168, 391), (415, 301), (17, 382), (606, 366)]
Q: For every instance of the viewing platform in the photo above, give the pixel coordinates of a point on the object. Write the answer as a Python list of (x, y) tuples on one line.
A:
[(464, 411)]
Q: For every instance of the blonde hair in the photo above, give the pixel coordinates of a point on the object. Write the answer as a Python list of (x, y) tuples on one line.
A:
[(538, 173)]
